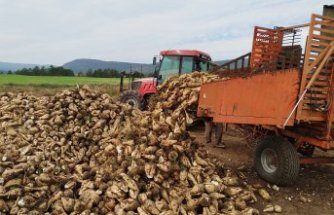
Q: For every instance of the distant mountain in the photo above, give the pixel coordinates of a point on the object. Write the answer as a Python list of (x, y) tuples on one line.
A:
[(83, 65), (220, 62), (4, 66)]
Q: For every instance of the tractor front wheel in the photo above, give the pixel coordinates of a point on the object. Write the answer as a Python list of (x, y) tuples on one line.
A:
[(276, 160), (132, 98)]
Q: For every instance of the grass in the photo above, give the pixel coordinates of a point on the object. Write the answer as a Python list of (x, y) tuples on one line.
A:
[(55, 80), (49, 85)]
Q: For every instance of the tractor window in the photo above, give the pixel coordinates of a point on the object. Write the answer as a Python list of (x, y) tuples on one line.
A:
[(204, 66), (169, 66), (187, 65), (201, 65)]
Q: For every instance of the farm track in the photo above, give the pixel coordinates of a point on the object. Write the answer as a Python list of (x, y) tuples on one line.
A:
[(312, 194)]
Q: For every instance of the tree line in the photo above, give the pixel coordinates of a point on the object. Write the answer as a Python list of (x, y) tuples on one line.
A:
[(45, 71), (108, 73), (61, 71)]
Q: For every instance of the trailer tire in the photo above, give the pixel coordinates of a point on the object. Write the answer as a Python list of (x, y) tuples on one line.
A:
[(276, 160), (132, 98)]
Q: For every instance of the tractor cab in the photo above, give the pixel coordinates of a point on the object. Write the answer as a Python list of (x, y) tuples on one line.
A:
[(177, 62), (170, 63)]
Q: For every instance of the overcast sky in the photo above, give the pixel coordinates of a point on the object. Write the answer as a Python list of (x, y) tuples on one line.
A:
[(58, 31)]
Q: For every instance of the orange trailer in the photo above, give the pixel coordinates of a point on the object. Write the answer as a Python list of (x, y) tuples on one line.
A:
[(283, 92)]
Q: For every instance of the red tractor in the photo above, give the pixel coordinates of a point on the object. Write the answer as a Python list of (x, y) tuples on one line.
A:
[(172, 62)]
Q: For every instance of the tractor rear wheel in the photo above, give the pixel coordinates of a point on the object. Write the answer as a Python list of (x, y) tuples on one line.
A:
[(132, 98), (276, 160)]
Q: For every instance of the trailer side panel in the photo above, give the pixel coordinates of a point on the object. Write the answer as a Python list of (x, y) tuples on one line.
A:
[(265, 98)]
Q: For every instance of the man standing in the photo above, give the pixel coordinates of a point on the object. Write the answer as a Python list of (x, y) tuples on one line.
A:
[(214, 131)]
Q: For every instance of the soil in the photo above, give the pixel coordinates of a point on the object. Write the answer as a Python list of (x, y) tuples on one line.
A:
[(312, 194)]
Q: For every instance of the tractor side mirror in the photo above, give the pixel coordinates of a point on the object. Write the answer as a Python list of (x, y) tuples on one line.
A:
[(154, 60)]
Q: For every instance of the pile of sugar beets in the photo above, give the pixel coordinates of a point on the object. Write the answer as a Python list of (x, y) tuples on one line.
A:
[(80, 152)]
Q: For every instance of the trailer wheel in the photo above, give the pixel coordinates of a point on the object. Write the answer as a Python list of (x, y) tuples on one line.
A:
[(276, 160), (132, 98)]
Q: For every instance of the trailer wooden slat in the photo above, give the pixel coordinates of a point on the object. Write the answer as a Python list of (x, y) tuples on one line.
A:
[(321, 83), (320, 43), (321, 96), (312, 101), (322, 37), (316, 49), (324, 30), (329, 24)]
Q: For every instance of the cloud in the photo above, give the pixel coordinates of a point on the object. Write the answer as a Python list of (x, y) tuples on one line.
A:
[(57, 31)]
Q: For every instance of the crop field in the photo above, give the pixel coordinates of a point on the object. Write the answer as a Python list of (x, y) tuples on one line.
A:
[(46, 85), (54, 80)]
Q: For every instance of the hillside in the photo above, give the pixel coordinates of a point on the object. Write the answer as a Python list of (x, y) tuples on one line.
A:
[(220, 62), (5, 66), (83, 65)]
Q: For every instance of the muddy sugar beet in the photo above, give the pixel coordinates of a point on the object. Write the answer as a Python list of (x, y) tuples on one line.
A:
[(180, 93), (81, 152)]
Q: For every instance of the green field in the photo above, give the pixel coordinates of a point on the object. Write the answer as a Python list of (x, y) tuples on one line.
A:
[(50, 85), (55, 80)]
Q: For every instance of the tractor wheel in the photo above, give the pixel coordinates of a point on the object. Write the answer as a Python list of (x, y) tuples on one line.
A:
[(276, 160), (132, 98)]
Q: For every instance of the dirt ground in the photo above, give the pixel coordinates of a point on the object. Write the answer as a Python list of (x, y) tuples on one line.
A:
[(312, 194)]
